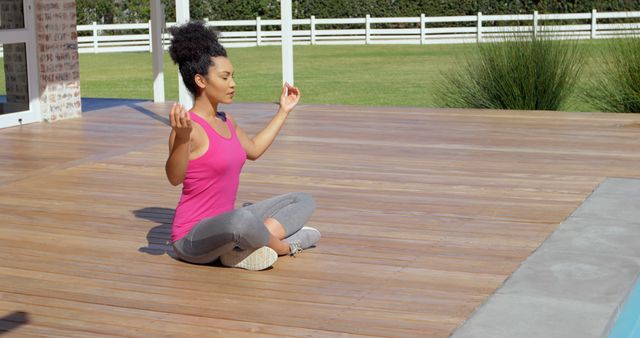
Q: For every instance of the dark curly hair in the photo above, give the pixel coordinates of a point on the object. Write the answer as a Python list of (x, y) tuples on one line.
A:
[(192, 47)]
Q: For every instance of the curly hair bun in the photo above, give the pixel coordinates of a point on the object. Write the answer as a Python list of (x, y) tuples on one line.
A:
[(192, 41)]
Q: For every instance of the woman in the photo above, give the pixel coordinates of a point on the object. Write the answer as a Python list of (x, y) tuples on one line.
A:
[(207, 150)]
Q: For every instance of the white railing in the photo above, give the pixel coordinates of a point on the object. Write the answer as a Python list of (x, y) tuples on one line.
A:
[(474, 28)]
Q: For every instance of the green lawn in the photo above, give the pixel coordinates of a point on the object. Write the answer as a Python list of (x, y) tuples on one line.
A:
[(369, 75), (396, 75)]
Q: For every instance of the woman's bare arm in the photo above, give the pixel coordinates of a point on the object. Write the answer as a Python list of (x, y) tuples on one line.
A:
[(256, 146), (179, 144)]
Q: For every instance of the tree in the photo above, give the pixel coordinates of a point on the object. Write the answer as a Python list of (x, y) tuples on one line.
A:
[(100, 11)]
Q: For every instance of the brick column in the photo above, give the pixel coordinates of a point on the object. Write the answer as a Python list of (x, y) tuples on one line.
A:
[(59, 71), (15, 62)]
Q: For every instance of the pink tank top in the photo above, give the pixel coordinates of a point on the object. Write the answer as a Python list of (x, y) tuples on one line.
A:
[(211, 181)]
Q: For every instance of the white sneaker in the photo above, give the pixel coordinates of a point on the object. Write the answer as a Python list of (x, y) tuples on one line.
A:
[(258, 259)]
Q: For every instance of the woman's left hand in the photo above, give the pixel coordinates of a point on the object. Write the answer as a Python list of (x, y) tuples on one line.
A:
[(289, 97)]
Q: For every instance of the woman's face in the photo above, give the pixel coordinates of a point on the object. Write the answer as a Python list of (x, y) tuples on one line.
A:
[(220, 86)]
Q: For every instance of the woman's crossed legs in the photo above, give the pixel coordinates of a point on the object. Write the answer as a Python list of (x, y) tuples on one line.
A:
[(265, 223)]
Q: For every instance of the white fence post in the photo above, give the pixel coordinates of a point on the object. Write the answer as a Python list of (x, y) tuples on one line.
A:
[(286, 29), (182, 17), (258, 31), (594, 19), (535, 24), (95, 37), (313, 29), (150, 38), (367, 29), (155, 32), (479, 28), (423, 31)]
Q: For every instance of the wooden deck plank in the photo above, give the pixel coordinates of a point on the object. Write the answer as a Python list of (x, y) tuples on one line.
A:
[(424, 213)]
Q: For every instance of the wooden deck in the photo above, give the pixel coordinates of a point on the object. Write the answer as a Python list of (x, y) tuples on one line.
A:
[(424, 213)]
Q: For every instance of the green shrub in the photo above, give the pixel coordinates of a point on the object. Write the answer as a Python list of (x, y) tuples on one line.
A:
[(517, 72), (617, 88)]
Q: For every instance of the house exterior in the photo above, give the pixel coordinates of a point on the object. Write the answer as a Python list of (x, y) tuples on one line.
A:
[(42, 75)]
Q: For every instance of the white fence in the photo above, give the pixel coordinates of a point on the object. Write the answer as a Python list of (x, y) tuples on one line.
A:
[(471, 28)]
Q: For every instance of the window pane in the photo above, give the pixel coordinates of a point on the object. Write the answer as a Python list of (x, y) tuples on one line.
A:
[(11, 14), (14, 88)]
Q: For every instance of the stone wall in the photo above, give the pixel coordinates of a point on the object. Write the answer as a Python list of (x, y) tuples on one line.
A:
[(59, 72)]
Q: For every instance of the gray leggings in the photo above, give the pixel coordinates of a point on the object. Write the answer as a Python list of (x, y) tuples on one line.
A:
[(244, 227)]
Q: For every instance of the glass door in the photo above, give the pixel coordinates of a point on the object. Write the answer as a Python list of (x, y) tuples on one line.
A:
[(19, 102)]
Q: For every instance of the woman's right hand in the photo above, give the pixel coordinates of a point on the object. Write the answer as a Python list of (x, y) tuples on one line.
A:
[(180, 121)]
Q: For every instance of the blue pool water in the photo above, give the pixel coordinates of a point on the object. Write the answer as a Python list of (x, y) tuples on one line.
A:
[(628, 323)]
